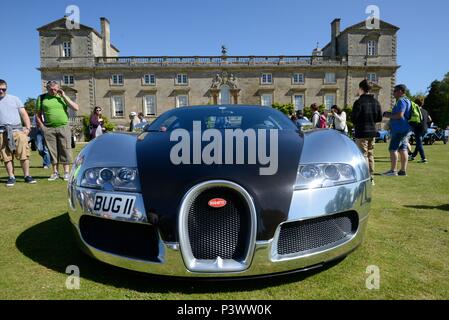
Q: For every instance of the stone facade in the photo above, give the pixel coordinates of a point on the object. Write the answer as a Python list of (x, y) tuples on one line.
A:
[(92, 72)]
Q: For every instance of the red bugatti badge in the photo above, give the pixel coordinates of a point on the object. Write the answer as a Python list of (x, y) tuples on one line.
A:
[(217, 203)]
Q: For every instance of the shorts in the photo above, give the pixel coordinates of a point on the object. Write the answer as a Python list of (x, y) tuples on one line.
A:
[(59, 144), (22, 151), (399, 141)]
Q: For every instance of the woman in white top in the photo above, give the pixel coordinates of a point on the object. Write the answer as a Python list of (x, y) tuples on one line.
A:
[(339, 119)]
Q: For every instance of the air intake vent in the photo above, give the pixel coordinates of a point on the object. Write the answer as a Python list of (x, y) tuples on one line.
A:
[(133, 240), (219, 232), (316, 234), (217, 227)]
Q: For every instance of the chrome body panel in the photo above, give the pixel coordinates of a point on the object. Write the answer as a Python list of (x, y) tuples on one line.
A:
[(328, 146)]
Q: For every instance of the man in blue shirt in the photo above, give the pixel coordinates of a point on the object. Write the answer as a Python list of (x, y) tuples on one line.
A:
[(400, 130)]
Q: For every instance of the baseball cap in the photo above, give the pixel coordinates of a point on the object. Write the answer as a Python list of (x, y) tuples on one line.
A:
[(133, 114)]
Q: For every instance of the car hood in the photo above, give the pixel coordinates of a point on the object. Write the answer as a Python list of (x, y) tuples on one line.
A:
[(164, 184)]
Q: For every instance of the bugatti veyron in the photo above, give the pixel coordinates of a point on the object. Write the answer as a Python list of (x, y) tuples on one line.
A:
[(220, 191)]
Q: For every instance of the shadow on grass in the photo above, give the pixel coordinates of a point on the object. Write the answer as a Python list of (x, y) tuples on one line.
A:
[(53, 245), (444, 207)]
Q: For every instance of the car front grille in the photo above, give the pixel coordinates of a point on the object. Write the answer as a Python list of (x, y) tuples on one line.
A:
[(133, 240), (219, 232), (301, 237)]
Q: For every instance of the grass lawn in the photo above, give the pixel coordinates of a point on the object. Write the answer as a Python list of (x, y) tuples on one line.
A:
[(407, 238)]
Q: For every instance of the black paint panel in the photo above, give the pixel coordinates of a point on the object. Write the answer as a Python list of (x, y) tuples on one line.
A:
[(164, 184)]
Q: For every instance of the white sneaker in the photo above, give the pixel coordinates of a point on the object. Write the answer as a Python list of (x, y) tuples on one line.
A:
[(54, 177), (66, 176)]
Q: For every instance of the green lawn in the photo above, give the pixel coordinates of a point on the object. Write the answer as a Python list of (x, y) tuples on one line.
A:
[(407, 239)]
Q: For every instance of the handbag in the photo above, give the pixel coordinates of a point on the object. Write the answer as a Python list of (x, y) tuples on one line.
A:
[(99, 131)]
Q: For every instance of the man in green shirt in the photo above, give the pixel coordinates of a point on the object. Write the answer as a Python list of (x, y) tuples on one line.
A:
[(53, 119)]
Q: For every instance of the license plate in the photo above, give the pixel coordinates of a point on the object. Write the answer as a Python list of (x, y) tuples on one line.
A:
[(114, 205)]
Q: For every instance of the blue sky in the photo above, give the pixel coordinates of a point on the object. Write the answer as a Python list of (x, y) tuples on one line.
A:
[(246, 27)]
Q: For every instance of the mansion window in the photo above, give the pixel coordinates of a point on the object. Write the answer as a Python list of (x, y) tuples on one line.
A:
[(149, 79), (371, 77), (372, 48), (298, 78), (182, 100), (118, 106), (266, 78), (182, 79), (329, 101), (117, 79), (266, 100), (329, 78), (150, 105), (68, 80), (298, 101), (67, 49)]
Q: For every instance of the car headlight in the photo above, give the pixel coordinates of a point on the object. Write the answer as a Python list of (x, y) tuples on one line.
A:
[(312, 176), (121, 179)]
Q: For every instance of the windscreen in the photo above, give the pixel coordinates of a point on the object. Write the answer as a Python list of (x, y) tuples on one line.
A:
[(222, 118)]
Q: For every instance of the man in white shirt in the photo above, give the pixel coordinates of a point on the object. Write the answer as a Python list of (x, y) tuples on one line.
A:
[(13, 136)]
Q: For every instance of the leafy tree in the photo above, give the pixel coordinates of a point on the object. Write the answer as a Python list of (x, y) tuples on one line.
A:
[(288, 108), (437, 101), (30, 106)]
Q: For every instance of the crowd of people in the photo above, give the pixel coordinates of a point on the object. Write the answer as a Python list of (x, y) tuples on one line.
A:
[(53, 133), (366, 115)]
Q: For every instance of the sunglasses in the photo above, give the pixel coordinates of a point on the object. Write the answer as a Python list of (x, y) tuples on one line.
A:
[(97, 109), (2, 89)]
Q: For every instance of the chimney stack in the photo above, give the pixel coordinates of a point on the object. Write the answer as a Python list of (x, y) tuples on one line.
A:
[(106, 35), (335, 32)]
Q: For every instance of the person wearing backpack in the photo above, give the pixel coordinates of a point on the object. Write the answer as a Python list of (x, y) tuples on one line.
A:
[(400, 129), (419, 129)]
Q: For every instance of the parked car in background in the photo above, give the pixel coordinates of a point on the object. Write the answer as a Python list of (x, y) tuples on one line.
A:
[(382, 135), (433, 134)]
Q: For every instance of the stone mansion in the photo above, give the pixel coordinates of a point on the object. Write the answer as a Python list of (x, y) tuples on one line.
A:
[(91, 71)]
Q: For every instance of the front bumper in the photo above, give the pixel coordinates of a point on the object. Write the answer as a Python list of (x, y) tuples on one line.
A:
[(306, 204)]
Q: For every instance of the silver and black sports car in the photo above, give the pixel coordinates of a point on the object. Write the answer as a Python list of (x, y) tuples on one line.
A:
[(220, 191)]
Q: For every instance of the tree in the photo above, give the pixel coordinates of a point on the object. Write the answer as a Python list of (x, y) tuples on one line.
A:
[(30, 106), (437, 101), (287, 109)]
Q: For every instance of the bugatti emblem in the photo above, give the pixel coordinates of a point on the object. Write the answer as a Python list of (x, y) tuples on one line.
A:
[(217, 203)]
